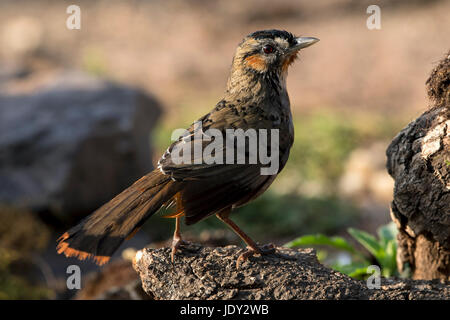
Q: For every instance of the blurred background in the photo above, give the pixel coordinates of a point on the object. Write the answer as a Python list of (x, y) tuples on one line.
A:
[(84, 113)]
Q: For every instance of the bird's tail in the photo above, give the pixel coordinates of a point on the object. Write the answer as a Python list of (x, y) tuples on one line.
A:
[(100, 234)]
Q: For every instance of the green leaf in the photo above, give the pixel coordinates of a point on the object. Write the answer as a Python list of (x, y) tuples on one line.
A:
[(322, 255), (368, 241), (360, 273), (354, 270), (389, 265), (387, 233), (391, 251), (320, 239)]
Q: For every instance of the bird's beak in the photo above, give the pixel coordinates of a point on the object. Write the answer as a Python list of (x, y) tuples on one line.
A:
[(303, 42)]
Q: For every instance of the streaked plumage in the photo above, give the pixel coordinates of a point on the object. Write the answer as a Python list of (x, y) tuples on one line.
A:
[(255, 98)]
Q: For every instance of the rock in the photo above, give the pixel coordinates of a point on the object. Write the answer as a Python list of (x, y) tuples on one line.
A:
[(419, 162), (117, 281), (74, 144), (438, 83), (132, 291), (210, 273)]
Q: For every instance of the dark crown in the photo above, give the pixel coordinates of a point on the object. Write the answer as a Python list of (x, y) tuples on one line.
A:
[(272, 34)]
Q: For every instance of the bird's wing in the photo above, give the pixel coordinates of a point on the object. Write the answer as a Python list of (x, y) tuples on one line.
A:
[(215, 186), (181, 160)]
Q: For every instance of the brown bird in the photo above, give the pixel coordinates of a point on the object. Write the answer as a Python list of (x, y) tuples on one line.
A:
[(255, 98)]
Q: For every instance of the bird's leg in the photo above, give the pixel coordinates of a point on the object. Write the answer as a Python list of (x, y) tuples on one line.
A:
[(177, 240), (253, 248)]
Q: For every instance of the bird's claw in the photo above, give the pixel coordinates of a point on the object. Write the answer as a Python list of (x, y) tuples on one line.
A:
[(177, 242), (263, 250)]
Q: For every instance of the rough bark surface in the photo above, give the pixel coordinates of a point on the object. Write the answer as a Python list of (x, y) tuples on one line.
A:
[(419, 162), (210, 273)]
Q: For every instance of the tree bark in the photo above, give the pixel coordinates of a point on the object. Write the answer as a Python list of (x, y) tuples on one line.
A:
[(419, 162), (211, 273)]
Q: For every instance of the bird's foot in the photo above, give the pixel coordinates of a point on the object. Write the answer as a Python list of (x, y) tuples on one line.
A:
[(177, 242), (251, 251)]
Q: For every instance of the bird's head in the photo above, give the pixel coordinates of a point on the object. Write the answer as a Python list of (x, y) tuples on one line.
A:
[(267, 53)]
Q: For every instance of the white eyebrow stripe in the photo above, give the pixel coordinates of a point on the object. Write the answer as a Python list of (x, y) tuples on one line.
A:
[(281, 41)]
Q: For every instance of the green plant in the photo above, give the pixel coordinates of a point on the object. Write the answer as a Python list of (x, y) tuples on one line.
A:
[(382, 250), (14, 286), (93, 61), (322, 144), (22, 235)]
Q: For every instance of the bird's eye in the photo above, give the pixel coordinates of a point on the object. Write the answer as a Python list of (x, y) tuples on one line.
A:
[(268, 49)]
